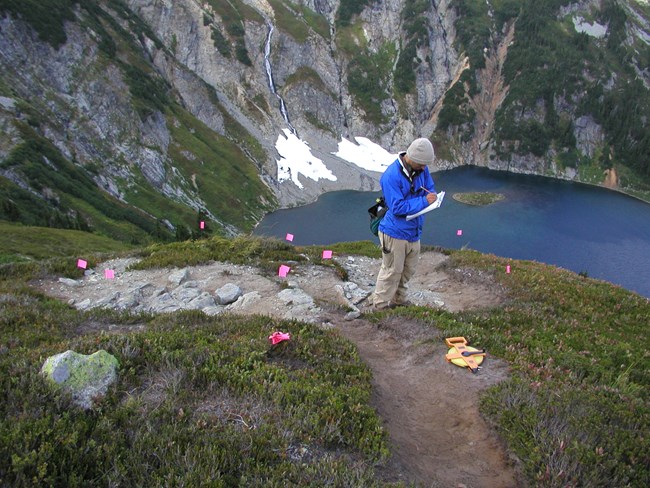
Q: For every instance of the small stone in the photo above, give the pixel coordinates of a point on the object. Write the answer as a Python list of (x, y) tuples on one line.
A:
[(214, 310), (7, 103), (179, 277), (70, 282), (83, 305), (228, 293), (352, 315)]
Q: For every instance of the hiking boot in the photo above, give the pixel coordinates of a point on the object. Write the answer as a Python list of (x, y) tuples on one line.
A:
[(378, 308)]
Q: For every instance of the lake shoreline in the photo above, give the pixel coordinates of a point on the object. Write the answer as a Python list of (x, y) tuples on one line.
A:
[(556, 221), (451, 168)]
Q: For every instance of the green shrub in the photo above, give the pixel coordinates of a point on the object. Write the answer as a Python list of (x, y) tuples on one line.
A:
[(368, 81), (148, 90), (47, 17), (473, 28), (233, 15), (348, 9), (289, 20), (43, 166), (220, 42), (414, 16)]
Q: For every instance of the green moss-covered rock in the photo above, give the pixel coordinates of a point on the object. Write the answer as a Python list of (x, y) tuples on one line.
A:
[(86, 377)]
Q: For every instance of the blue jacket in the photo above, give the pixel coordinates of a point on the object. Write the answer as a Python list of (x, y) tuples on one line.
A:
[(404, 196)]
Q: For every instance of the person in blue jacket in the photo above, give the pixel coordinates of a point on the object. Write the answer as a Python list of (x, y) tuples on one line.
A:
[(407, 187)]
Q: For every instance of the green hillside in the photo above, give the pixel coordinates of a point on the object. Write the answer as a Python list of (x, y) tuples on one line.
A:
[(575, 410), (20, 242)]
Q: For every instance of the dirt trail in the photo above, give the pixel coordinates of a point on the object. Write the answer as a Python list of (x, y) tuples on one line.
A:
[(430, 407)]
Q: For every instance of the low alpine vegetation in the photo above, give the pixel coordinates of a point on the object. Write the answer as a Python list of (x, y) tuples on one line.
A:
[(576, 410), (206, 400)]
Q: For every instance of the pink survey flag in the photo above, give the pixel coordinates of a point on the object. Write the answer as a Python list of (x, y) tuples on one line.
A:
[(278, 336), (327, 254), (82, 264), (459, 232), (109, 274), (202, 225), (508, 269), (289, 237), (283, 271)]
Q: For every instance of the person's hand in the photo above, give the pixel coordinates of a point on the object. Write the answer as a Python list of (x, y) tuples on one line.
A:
[(431, 197)]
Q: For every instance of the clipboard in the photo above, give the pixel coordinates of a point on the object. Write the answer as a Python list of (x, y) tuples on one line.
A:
[(434, 205)]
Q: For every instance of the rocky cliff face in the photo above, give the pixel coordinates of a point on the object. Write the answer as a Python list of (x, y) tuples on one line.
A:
[(310, 74), (174, 98)]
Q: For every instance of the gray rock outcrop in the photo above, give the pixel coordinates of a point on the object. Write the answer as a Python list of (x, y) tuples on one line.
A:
[(310, 295), (86, 377)]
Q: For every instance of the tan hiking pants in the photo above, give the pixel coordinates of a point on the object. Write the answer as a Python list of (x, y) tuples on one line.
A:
[(399, 259)]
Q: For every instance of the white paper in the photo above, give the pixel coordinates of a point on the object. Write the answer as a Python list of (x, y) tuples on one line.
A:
[(435, 204)]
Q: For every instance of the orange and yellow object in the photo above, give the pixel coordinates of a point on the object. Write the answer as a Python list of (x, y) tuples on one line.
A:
[(463, 355)]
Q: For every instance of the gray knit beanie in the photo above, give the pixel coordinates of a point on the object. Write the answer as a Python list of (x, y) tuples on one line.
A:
[(421, 151)]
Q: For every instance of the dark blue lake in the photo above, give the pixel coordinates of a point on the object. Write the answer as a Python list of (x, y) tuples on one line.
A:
[(574, 226)]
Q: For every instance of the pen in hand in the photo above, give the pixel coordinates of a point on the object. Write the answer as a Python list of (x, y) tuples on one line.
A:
[(431, 196)]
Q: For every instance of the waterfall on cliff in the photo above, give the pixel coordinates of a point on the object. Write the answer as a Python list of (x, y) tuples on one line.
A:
[(269, 72)]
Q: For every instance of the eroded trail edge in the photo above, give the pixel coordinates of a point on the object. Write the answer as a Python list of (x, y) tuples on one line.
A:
[(430, 407)]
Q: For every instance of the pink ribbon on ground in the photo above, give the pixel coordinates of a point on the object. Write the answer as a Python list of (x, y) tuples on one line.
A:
[(82, 264), (277, 337)]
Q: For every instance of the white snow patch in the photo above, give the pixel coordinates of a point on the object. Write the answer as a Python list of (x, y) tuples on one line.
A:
[(365, 154), (296, 158), (593, 30)]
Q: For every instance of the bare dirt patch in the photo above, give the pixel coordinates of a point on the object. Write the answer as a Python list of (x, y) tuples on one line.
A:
[(430, 407)]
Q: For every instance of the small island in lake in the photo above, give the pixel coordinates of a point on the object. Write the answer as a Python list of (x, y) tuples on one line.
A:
[(478, 197)]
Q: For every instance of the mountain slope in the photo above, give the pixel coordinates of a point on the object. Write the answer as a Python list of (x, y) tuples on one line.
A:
[(175, 110), (573, 86), (97, 136)]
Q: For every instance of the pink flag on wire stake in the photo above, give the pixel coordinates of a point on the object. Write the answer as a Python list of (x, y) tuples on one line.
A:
[(202, 225), (109, 274), (278, 336), (289, 237), (508, 269), (82, 264), (327, 254), (459, 232), (283, 271)]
